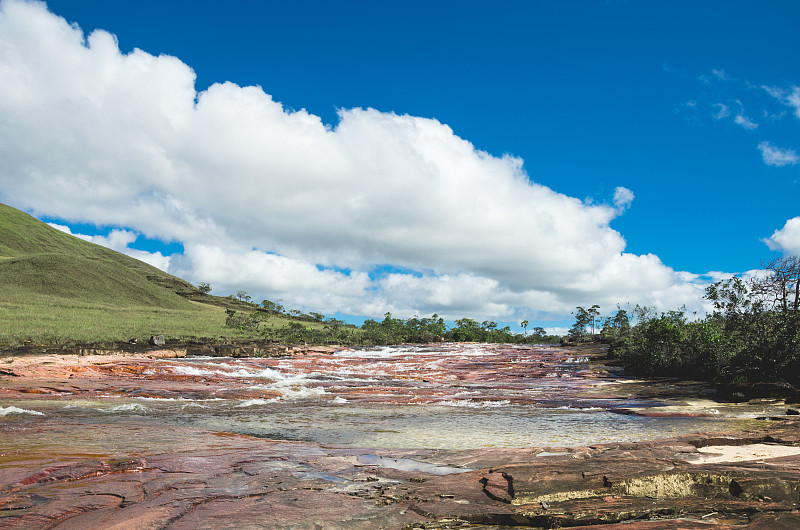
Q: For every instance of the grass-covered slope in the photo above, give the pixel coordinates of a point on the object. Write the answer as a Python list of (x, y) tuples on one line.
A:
[(57, 289), (36, 260)]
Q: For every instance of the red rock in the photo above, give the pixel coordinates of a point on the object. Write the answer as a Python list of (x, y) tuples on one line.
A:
[(106, 473)]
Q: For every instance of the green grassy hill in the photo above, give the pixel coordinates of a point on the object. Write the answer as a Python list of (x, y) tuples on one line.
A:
[(57, 289), (38, 260)]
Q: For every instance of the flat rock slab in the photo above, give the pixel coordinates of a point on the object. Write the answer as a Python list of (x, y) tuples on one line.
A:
[(201, 479), (103, 472)]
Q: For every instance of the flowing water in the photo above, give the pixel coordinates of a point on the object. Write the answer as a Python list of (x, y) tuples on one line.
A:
[(443, 396)]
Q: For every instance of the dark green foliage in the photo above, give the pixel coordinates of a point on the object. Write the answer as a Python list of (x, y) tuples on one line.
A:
[(273, 307), (541, 335), (336, 332), (390, 330), (617, 326), (659, 346), (417, 330), (468, 330), (397, 331), (242, 296), (244, 321), (752, 336), (584, 318)]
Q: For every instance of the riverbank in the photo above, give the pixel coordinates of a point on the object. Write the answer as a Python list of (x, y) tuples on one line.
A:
[(85, 444)]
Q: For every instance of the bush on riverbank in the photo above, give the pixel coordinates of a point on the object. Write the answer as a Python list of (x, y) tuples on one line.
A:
[(753, 336)]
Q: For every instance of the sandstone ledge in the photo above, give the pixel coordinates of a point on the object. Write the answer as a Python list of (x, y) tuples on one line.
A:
[(102, 474), (216, 480)]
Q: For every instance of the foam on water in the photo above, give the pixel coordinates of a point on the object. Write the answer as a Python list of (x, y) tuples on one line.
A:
[(266, 373), (5, 411), (129, 407), (474, 404), (253, 402), (190, 370), (576, 360), (465, 350), (161, 399), (295, 391), (293, 387)]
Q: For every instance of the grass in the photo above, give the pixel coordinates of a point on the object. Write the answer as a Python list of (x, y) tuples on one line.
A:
[(64, 322), (22, 235), (80, 278), (48, 321), (35, 258), (57, 289)]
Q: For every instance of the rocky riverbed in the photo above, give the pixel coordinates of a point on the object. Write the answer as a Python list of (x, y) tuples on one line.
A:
[(121, 441)]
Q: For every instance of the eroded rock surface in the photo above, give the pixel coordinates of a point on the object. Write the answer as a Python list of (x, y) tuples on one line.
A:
[(118, 472), (211, 480)]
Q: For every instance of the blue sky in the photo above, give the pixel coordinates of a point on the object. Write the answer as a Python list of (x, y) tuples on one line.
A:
[(692, 107)]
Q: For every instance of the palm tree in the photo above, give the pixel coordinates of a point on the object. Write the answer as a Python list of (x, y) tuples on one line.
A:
[(524, 325)]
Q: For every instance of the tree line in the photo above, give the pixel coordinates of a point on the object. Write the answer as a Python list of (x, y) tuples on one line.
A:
[(315, 328), (752, 336)]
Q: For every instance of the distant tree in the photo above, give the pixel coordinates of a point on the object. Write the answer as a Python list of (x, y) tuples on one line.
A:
[(466, 330), (617, 326), (242, 296), (243, 321), (272, 306), (204, 287), (435, 326), (582, 319), (524, 325), (593, 313), (780, 286)]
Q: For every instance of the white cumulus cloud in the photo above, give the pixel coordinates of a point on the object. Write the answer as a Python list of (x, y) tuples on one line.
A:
[(776, 156), (277, 202), (789, 97), (120, 241), (786, 239), (623, 197), (722, 111), (745, 122)]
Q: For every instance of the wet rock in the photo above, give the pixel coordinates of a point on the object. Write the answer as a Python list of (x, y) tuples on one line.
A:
[(157, 340), (104, 473)]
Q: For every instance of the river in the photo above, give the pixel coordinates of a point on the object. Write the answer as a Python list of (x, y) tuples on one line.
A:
[(454, 396)]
